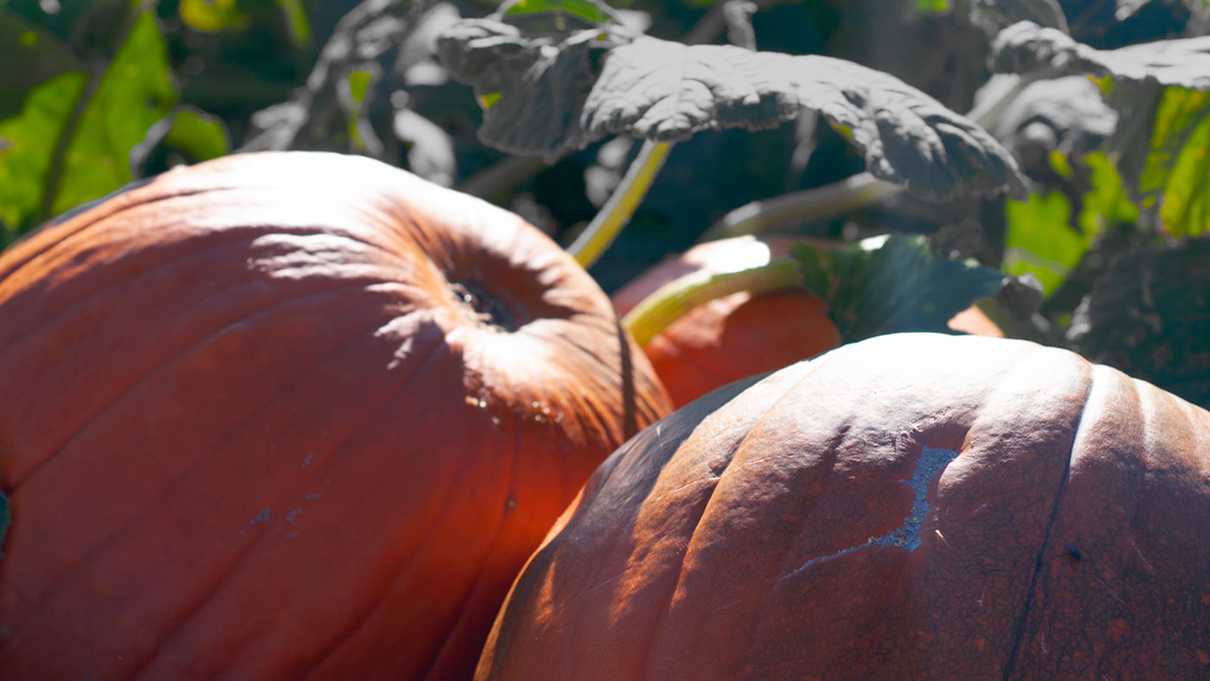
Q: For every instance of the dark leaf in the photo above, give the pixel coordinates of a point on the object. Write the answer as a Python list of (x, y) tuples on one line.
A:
[(897, 286), (1149, 315), (995, 15), (1028, 48), (40, 55), (562, 91)]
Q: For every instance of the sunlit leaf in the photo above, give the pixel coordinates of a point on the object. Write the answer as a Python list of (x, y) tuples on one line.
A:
[(896, 286), (1040, 240), (197, 134), (134, 93), (213, 16), (27, 148)]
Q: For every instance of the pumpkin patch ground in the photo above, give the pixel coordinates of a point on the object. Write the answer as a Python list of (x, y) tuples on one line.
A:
[(366, 339)]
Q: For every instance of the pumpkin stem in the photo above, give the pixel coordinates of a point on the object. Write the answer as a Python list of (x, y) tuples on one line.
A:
[(669, 302), (486, 309), (617, 211)]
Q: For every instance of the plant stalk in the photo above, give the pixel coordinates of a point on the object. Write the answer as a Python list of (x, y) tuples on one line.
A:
[(617, 211), (671, 301), (847, 195)]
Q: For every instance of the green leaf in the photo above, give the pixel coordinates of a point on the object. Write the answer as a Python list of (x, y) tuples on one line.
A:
[(296, 19), (357, 86), (934, 6), (1040, 240), (1108, 202), (197, 134), (894, 286), (588, 10), (214, 16), (27, 147), (1177, 167), (135, 91)]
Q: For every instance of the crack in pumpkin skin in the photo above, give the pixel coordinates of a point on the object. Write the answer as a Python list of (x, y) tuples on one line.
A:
[(1010, 661), (930, 464), (308, 218)]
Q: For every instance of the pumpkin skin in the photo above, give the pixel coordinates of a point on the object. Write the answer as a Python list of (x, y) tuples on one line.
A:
[(734, 336), (252, 428), (913, 506)]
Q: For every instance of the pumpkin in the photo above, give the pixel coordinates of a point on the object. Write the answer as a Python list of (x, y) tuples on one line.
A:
[(734, 336), (291, 413), (743, 334), (913, 506)]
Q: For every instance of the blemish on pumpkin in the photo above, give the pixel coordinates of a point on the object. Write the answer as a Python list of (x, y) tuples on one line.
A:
[(510, 504), (6, 519), (1118, 630), (906, 536)]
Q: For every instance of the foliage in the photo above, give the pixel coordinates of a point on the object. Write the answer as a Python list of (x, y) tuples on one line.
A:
[(1095, 122)]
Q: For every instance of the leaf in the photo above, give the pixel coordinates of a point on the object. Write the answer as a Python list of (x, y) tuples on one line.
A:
[(197, 134), (1039, 240), (896, 286), (40, 55), (135, 91), (590, 11), (295, 14), (26, 150), (1028, 48), (561, 91), (1162, 92), (995, 15), (1149, 315), (213, 16), (934, 6)]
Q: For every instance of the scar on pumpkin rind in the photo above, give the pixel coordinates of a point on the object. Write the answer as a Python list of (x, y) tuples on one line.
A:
[(929, 466)]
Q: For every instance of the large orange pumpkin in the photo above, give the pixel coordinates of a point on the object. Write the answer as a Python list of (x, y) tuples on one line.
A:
[(913, 506), (734, 336), (290, 414)]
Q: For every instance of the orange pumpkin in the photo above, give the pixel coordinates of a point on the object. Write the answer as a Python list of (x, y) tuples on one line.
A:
[(734, 336), (743, 334), (913, 506), (287, 414)]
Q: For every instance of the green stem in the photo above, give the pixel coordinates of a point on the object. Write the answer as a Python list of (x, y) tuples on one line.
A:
[(808, 205), (848, 195), (674, 299), (503, 177), (616, 212)]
